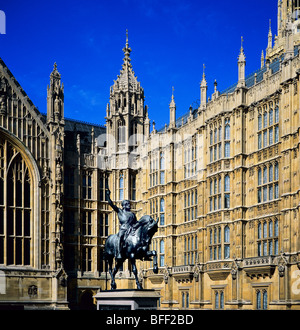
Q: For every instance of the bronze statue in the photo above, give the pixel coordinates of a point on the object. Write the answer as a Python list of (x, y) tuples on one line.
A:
[(132, 242)]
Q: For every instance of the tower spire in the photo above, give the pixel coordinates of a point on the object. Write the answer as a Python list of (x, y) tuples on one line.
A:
[(270, 38), (173, 101), (203, 76), (262, 60), (242, 65), (127, 50), (242, 44), (203, 88), (55, 98), (172, 110)]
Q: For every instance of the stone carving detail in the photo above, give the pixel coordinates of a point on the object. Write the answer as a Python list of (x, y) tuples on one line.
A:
[(62, 277), (33, 291), (3, 108), (59, 196), (167, 274), (197, 270), (234, 269), (282, 261)]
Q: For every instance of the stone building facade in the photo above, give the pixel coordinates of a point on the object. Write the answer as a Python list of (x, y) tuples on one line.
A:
[(223, 180)]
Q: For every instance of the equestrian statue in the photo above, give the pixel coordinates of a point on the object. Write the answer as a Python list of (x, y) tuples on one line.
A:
[(132, 242)]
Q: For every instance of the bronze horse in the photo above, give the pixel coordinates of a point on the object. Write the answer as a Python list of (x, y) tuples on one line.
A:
[(135, 247)]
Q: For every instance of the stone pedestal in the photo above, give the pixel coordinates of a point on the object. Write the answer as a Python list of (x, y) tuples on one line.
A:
[(127, 300)]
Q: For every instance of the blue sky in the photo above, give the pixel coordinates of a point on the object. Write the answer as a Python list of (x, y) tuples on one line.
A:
[(170, 41)]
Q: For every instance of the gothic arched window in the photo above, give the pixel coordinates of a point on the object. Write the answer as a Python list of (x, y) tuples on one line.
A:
[(15, 207)]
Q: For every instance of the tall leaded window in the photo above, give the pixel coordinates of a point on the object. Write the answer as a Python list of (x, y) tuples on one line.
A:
[(267, 237), (268, 182), (219, 191), (190, 205), (86, 228), (103, 225), (227, 138), (219, 299), (190, 159), (217, 243), (87, 259), (185, 300), (87, 185), (262, 299), (162, 168), (215, 143), (162, 212), (133, 187), (226, 242), (268, 125), (154, 169), (162, 253), (155, 208), (190, 250), (215, 192), (103, 186), (15, 207), (121, 188), (227, 192)]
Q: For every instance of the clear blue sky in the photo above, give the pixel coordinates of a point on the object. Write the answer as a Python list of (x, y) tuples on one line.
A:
[(170, 41)]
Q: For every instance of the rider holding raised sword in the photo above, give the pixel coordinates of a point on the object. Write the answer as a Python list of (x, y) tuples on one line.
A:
[(126, 218)]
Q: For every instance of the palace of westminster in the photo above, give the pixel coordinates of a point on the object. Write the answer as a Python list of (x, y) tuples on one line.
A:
[(224, 181)]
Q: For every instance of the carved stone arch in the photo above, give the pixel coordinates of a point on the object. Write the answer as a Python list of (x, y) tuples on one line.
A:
[(31, 168)]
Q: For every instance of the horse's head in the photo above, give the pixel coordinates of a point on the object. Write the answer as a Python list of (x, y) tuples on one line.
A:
[(148, 226)]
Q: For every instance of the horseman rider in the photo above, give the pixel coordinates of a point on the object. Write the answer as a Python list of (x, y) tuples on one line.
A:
[(127, 220)]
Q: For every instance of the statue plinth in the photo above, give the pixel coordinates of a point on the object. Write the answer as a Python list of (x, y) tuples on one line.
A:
[(127, 300)]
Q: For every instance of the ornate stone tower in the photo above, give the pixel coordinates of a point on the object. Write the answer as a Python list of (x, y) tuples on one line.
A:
[(127, 125), (288, 10), (288, 32)]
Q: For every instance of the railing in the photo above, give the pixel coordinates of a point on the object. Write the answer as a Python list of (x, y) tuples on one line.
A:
[(258, 261), (182, 269)]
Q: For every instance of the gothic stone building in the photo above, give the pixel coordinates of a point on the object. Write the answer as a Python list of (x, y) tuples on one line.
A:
[(223, 180)]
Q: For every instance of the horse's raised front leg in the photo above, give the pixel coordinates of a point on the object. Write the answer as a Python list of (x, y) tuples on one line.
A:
[(134, 270), (155, 265)]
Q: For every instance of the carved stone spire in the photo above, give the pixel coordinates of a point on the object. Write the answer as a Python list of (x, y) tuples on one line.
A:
[(172, 110), (127, 50), (55, 98), (203, 87), (262, 60), (242, 66)]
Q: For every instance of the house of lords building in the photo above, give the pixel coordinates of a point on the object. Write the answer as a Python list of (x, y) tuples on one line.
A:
[(224, 180)]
